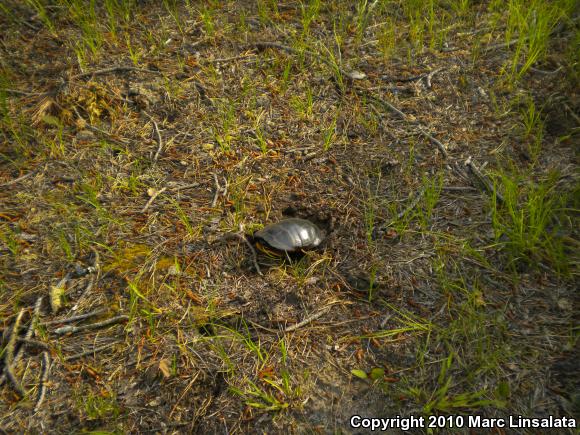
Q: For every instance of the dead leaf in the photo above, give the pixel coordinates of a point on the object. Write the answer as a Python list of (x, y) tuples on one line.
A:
[(164, 367)]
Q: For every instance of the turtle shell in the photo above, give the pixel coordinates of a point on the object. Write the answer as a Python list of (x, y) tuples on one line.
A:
[(290, 235)]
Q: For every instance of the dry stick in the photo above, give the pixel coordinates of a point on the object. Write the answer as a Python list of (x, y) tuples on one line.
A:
[(43, 379), (431, 74), (91, 351), (74, 329), (482, 180), (9, 356), (19, 179), (217, 190), (114, 69), (31, 342), (436, 142), (85, 316), (158, 134), (229, 59), (155, 195), (19, 92), (28, 336), (243, 237), (307, 320)]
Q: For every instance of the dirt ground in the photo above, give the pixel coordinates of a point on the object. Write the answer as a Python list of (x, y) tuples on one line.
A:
[(138, 138)]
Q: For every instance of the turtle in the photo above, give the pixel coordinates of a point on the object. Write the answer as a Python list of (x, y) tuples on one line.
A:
[(287, 236)]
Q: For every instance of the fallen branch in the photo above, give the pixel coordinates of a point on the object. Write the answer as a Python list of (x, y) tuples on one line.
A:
[(75, 329)]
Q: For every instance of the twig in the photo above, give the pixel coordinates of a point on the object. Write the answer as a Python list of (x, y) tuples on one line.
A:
[(217, 190), (307, 320), (403, 80), (112, 70), (19, 179), (158, 134), (229, 59), (572, 113), (9, 356), (75, 329), (241, 236), (77, 318), (19, 92), (436, 142), (411, 206), (34, 319), (45, 369), (89, 352), (155, 195), (384, 103), (430, 76), (482, 180)]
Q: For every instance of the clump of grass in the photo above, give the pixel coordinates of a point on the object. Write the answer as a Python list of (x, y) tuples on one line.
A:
[(39, 8), (532, 125), (530, 23), (527, 225)]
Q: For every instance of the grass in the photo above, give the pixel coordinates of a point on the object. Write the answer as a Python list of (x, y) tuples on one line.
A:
[(528, 225), (445, 299)]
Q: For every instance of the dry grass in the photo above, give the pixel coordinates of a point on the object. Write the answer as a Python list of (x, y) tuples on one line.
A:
[(134, 135)]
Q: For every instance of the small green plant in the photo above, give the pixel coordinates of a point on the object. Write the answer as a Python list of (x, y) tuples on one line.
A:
[(260, 138), (208, 20), (329, 135), (134, 53), (386, 38), (303, 105), (430, 197), (39, 8), (533, 127), (441, 400), (84, 15), (526, 224), (309, 14), (363, 13), (530, 23), (171, 7), (8, 237), (99, 405)]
